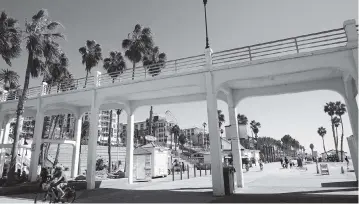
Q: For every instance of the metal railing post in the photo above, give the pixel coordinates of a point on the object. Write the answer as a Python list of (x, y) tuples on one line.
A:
[(194, 170), (173, 173), (250, 53), (296, 45), (181, 171), (205, 169), (187, 171)]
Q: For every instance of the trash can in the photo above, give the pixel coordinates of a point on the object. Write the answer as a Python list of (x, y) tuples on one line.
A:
[(228, 178)]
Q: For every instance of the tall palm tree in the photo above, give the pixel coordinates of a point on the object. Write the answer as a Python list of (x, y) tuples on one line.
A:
[(9, 78), (311, 146), (10, 38), (175, 130), (154, 61), (242, 119), (330, 109), (255, 129), (336, 123), (286, 140), (341, 110), (91, 56), (41, 36), (204, 124), (114, 64), (138, 44), (221, 118), (118, 113), (322, 131)]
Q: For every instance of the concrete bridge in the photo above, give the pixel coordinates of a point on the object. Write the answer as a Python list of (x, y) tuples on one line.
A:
[(325, 60)]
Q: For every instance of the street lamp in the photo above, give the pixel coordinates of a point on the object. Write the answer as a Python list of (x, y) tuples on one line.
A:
[(205, 18)]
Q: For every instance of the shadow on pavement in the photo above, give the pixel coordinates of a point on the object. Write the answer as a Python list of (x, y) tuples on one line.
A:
[(341, 184)]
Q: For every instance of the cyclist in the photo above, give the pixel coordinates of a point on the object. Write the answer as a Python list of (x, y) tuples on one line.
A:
[(59, 181), (261, 164)]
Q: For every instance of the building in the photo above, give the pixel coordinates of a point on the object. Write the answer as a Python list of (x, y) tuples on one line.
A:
[(161, 129), (333, 152), (195, 136)]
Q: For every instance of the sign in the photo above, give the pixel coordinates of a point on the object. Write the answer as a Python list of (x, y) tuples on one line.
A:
[(33, 147)]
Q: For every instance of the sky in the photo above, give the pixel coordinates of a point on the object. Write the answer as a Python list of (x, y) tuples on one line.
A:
[(179, 31)]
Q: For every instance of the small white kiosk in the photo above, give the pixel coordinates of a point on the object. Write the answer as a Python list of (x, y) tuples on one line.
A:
[(159, 159), (142, 165)]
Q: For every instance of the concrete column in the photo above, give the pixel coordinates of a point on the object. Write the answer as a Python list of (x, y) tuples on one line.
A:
[(129, 146), (352, 107), (3, 140), (76, 148), (351, 32), (36, 144), (92, 144), (353, 148), (236, 147)]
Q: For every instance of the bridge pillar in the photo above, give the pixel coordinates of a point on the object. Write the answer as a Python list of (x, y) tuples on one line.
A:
[(236, 147), (215, 143), (353, 117), (76, 147), (92, 144), (129, 145), (4, 135), (36, 144)]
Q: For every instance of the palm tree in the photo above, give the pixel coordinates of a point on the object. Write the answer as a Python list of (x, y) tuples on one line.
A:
[(10, 79), (341, 110), (91, 56), (10, 38), (58, 74), (182, 140), (175, 130), (114, 65), (311, 146), (286, 140), (322, 131), (41, 36), (204, 124), (242, 119), (118, 113), (154, 61), (330, 109), (221, 118), (255, 129), (336, 123), (138, 44)]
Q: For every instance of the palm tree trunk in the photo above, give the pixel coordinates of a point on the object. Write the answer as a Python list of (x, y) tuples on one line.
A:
[(18, 126), (324, 147), (109, 144), (56, 161), (87, 74), (336, 144), (335, 140), (133, 71), (341, 140)]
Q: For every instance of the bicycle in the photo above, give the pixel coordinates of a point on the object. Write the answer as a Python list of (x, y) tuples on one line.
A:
[(48, 194)]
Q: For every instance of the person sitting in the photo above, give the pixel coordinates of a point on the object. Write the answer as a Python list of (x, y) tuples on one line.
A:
[(59, 181)]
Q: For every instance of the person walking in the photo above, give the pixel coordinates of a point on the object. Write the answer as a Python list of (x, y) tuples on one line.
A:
[(286, 162), (347, 160), (281, 161)]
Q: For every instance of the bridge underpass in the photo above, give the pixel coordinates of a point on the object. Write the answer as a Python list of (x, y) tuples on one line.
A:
[(297, 63)]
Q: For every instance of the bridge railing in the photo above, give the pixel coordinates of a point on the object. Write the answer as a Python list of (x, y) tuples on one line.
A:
[(299, 44), (154, 70)]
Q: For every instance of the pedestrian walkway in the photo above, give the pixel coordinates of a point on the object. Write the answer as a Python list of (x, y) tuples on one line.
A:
[(273, 184)]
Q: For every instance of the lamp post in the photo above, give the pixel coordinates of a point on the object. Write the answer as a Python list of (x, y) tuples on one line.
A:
[(205, 19)]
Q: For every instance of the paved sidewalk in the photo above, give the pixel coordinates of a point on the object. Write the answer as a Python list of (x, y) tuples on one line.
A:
[(273, 184)]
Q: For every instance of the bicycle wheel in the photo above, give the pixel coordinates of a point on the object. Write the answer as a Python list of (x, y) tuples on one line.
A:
[(70, 195), (42, 198)]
